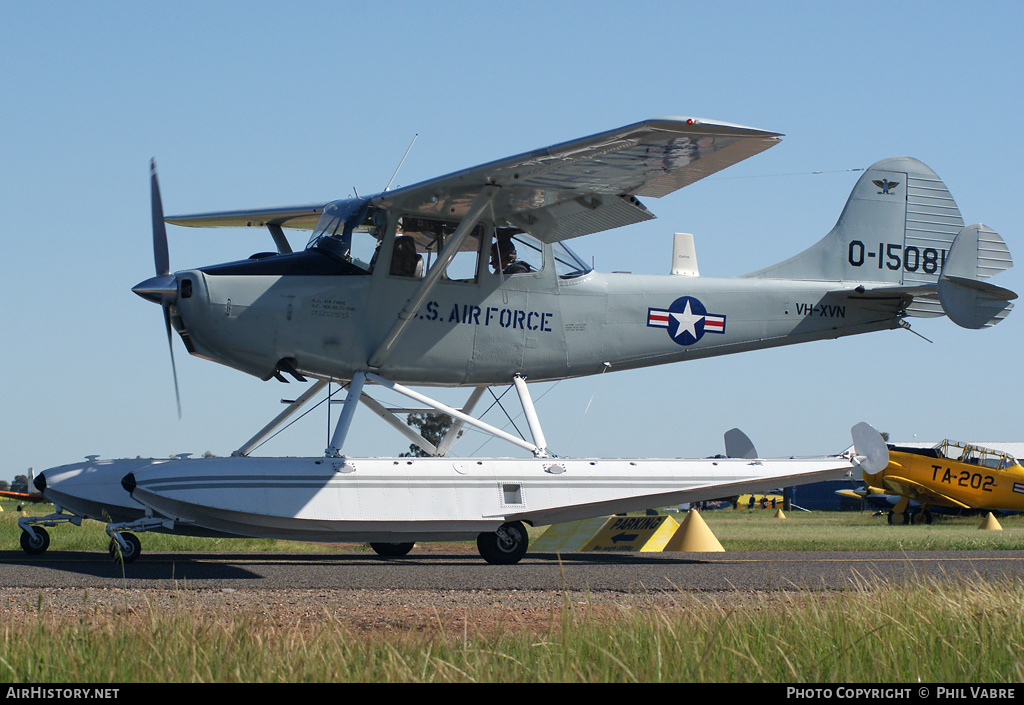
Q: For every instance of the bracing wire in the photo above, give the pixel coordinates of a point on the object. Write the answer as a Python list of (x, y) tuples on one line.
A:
[(300, 416), (498, 401), (593, 394)]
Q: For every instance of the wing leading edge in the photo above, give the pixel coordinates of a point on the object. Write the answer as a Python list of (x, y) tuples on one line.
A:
[(588, 185), (920, 493), (559, 192), (297, 217)]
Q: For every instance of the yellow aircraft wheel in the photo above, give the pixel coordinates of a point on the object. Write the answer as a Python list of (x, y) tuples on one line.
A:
[(921, 517), (897, 518)]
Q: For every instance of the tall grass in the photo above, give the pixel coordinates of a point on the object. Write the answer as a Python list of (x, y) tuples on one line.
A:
[(920, 631)]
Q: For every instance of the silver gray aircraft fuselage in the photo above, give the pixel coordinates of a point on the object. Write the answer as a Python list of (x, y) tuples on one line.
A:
[(417, 300), (485, 332)]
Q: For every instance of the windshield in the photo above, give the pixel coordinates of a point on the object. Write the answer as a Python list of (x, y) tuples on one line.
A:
[(340, 221), (567, 264)]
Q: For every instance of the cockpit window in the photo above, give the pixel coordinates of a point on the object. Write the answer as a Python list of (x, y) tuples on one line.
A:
[(975, 455), (567, 264), (515, 252), (431, 236), (349, 230)]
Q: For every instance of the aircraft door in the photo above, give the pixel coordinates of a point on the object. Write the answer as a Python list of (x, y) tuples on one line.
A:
[(519, 325)]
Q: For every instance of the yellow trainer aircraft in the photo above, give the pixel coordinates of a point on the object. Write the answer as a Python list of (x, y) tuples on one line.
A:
[(950, 474)]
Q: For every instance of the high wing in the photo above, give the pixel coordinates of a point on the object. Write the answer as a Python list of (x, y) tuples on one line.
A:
[(559, 192), (590, 184), (295, 217)]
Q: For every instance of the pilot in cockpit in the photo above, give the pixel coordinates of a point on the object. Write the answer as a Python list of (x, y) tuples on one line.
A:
[(504, 258), (404, 260)]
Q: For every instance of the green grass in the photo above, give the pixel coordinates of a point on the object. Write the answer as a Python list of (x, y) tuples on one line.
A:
[(759, 530), (737, 530), (91, 536), (922, 630), (917, 632)]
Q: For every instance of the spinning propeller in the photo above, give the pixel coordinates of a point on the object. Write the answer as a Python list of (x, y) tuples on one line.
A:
[(163, 288)]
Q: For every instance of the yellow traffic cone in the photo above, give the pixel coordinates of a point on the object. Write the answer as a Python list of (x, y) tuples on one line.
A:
[(779, 514), (694, 535), (990, 523)]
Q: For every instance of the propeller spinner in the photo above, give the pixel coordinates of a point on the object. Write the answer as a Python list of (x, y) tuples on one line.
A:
[(163, 288)]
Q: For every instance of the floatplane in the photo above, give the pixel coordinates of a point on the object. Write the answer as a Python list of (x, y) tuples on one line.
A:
[(467, 280)]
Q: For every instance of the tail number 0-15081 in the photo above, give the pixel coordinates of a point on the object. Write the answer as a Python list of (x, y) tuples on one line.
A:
[(910, 258)]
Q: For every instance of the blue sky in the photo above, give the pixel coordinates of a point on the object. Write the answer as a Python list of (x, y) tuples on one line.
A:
[(248, 104)]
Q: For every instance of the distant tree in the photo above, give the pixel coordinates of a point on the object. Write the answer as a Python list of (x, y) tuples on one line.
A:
[(432, 427), (5, 485), (20, 483)]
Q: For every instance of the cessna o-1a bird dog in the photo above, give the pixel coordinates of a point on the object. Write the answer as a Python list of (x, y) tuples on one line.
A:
[(466, 280)]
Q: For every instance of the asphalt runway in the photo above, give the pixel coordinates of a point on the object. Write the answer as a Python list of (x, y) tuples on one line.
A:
[(438, 570)]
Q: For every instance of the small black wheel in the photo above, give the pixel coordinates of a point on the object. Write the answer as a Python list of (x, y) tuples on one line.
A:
[(505, 546), (37, 545), (391, 550), (128, 555)]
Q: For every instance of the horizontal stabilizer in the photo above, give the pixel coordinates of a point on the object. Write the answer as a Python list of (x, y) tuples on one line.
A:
[(851, 494), (973, 304), (977, 253)]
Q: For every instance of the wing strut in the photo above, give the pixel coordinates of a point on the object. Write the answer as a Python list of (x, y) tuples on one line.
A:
[(476, 211), (453, 432), (279, 238), (348, 411), (456, 414), (255, 441), (531, 417)]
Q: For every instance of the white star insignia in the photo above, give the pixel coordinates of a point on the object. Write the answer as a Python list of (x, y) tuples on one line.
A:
[(687, 321)]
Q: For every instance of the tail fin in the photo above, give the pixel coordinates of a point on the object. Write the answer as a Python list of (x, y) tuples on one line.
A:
[(739, 445), (898, 229)]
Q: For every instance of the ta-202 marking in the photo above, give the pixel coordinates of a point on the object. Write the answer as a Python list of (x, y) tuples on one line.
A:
[(964, 479)]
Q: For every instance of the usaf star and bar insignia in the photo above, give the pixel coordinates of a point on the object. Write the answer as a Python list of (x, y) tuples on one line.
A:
[(686, 320)]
